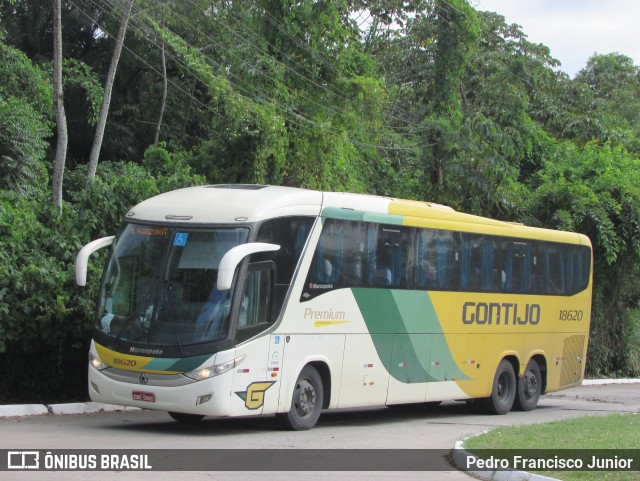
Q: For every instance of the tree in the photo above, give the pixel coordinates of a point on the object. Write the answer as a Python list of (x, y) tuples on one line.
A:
[(26, 106), (104, 111), (614, 81), (456, 36), (61, 119), (595, 190)]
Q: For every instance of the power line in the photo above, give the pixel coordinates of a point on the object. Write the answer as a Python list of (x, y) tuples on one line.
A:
[(294, 118)]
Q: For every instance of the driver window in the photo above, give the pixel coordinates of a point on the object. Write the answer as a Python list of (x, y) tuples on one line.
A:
[(255, 306)]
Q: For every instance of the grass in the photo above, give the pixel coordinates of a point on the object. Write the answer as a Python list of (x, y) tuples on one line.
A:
[(612, 432)]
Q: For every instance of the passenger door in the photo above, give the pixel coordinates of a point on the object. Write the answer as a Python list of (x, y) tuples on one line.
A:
[(251, 385)]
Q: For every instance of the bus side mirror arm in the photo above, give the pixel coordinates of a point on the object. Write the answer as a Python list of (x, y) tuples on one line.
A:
[(234, 256), (82, 259)]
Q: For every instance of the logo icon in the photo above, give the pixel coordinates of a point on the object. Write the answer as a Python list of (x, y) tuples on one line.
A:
[(23, 460), (143, 378), (253, 397)]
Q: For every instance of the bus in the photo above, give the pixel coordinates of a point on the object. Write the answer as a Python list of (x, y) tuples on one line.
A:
[(241, 300)]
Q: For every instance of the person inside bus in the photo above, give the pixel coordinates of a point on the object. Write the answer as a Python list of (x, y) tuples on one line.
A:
[(383, 275)]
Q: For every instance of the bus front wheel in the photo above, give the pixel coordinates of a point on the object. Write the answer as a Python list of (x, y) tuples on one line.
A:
[(503, 392), (529, 388), (306, 402)]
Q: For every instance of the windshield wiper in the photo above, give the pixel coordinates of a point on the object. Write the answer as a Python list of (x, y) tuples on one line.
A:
[(138, 312), (165, 304)]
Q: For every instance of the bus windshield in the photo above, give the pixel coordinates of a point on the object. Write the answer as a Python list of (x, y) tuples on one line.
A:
[(159, 286)]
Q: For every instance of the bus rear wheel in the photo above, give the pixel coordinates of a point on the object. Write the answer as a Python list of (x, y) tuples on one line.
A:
[(503, 392), (306, 402), (529, 388), (186, 418)]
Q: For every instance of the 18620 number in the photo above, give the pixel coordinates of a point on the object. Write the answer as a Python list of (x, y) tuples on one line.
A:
[(571, 315)]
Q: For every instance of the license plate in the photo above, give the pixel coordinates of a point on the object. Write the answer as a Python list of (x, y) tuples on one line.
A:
[(144, 396)]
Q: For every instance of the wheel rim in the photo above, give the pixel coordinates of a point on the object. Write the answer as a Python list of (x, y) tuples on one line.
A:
[(305, 398), (503, 388), (531, 385)]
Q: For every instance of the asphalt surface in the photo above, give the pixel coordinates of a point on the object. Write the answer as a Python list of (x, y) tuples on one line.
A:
[(371, 428)]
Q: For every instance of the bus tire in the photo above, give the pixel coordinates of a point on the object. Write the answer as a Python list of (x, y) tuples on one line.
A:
[(186, 418), (503, 392), (306, 401), (529, 388)]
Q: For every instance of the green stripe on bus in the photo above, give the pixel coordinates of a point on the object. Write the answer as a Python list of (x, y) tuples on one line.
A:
[(406, 320), (358, 215), (176, 364)]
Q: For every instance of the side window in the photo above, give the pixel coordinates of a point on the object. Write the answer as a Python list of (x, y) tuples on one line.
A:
[(476, 266), (291, 234), (518, 274), (435, 255), (354, 262), (578, 269), (552, 278), (386, 265), (255, 311)]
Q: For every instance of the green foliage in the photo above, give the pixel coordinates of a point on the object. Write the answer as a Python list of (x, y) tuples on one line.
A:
[(428, 99), (26, 108), (171, 171), (593, 190), (614, 81), (78, 74), (43, 314)]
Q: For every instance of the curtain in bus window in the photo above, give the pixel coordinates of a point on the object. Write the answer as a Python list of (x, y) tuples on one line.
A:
[(554, 269), (330, 252), (507, 282), (389, 265), (372, 242), (563, 286), (487, 264), (354, 257), (444, 246), (569, 271), (465, 265), (526, 285), (580, 284), (422, 265)]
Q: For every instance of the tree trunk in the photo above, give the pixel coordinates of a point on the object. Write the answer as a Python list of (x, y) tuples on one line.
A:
[(104, 110), (61, 119), (164, 96)]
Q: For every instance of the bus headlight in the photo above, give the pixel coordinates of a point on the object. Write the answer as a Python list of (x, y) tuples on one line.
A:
[(216, 370), (97, 363)]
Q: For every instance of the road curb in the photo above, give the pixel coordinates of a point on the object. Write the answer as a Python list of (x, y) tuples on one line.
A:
[(460, 456), (22, 410)]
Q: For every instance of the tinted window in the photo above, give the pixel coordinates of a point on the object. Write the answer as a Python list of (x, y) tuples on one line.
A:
[(365, 254)]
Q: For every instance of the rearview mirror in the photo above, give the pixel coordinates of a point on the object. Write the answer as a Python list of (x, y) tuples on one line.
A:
[(82, 259), (234, 256)]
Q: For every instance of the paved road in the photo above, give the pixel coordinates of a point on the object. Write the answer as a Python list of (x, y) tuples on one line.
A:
[(358, 428)]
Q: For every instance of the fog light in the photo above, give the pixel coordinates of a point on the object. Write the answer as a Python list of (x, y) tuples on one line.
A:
[(203, 399), (95, 387)]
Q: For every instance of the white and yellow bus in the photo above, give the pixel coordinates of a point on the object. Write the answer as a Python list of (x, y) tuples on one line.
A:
[(238, 300)]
